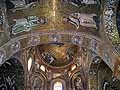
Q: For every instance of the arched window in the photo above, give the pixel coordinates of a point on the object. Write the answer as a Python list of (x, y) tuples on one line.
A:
[(58, 86), (29, 63), (42, 67), (73, 67)]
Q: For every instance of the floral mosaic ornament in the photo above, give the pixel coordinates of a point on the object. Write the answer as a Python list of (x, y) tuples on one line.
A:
[(15, 46), (96, 60), (2, 18), (110, 24), (2, 56), (76, 40), (34, 40), (55, 38), (94, 45), (107, 57), (8, 83)]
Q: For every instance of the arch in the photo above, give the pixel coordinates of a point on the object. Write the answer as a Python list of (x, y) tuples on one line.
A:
[(96, 62), (17, 56), (58, 86), (61, 82), (37, 81), (78, 81), (109, 23), (99, 73), (85, 40)]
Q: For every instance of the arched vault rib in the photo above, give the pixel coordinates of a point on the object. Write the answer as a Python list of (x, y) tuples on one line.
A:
[(109, 23), (78, 38)]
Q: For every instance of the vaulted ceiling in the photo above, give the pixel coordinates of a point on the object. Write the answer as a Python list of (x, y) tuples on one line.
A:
[(56, 33)]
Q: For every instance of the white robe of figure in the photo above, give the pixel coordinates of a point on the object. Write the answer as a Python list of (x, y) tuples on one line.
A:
[(84, 19), (1, 59), (89, 1)]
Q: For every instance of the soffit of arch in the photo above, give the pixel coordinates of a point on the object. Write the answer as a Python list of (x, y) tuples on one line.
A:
[(109, 22)]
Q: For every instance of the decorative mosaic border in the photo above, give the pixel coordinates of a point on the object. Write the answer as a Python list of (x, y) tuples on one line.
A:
[(109, 22)]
